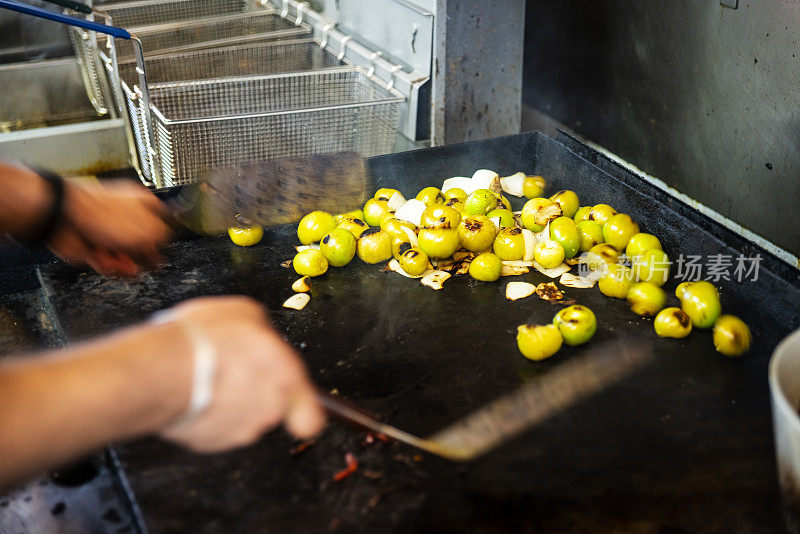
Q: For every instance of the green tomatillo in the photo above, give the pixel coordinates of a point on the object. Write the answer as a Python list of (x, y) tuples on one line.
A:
[(314, 226), (374, 246), (577, 324), (509, 244), (338, 246), (477, 233), (310, 262), (538, 342), (486, 267)]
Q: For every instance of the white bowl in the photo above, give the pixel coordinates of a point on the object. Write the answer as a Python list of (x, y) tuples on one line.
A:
[(784, 386)]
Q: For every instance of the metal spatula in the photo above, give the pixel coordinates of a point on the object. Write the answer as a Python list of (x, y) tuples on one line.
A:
[(273, 192), (527, 406)]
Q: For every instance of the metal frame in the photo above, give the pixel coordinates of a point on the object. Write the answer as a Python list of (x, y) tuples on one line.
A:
[(395, 76)]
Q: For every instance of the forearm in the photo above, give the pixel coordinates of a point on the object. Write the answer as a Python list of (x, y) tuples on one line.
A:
[(24, 199), (55, 408)]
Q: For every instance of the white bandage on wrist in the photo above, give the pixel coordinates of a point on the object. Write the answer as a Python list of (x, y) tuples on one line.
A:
[(204, 357)]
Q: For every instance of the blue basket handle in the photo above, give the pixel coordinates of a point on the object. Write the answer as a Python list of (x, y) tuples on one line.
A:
[(19, 7)]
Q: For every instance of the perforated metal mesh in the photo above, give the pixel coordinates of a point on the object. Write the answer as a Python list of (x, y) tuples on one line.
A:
[(241, 60), (130, 15), (202, 125), (173, 24), (92, 71), (136, 114), (217, 31)]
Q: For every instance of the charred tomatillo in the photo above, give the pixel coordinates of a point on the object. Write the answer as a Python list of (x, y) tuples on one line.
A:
[(646, 298), (374, 246), (374, 211), (583, 214), (455, 192), (455, 203), (600, 256), (502, 202), (509, 244), (591, 234), (564, 231), (505, 216), (395, 227), (618, 230), (549, 254), (480, 202), (431, 195), (641, 242), (672, 322), (338, 247), (386, 217), (731, 336), (246, 237), (310, 262), (440, 216), (601, 213), (617, 281), (577, 324), (486, 267), (533, 186), (537, 342), (652, 266), (385, 193), (354, 226), (438, 243), (568, 201), (355, 214), (414, 261), (477, 233), (314, 226), (537, 212), (700, 301), (400, 244)]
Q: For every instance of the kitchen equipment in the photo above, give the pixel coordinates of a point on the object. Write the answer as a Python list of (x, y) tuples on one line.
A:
[(235, 60), (195, 126), (209, 32), (691, 433), (510, 415), (784, 385), (199, 126), (273, 192), (174, 25), (143, 13)]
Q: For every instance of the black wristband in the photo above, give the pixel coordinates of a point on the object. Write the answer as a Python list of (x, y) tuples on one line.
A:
[(52, 218)]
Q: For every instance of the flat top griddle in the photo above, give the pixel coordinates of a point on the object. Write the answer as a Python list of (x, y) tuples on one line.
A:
[(684, 445)]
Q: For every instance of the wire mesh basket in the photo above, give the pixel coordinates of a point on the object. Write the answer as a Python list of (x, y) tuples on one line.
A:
[(239, 60), (90, 62), (198, 126), (215, 31), (179, 131), (174, 25), (150, 12)]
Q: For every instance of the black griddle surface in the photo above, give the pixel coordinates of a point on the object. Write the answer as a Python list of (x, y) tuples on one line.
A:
[(685, 445)]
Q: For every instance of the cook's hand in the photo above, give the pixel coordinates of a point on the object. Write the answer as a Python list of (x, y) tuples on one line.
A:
[(259, 383), (115, 228)]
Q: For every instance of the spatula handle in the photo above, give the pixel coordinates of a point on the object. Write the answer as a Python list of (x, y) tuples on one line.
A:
[(25, 9)]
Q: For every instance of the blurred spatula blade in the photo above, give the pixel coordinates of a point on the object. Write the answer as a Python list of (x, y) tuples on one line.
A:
[(274, 192), (561, 388)]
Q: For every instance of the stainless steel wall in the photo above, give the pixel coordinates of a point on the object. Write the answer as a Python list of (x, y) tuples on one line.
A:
[(702, 96), (25, 38)]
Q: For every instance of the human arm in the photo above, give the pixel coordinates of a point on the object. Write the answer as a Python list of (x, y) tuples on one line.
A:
[(114, 228), (138, 381)]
